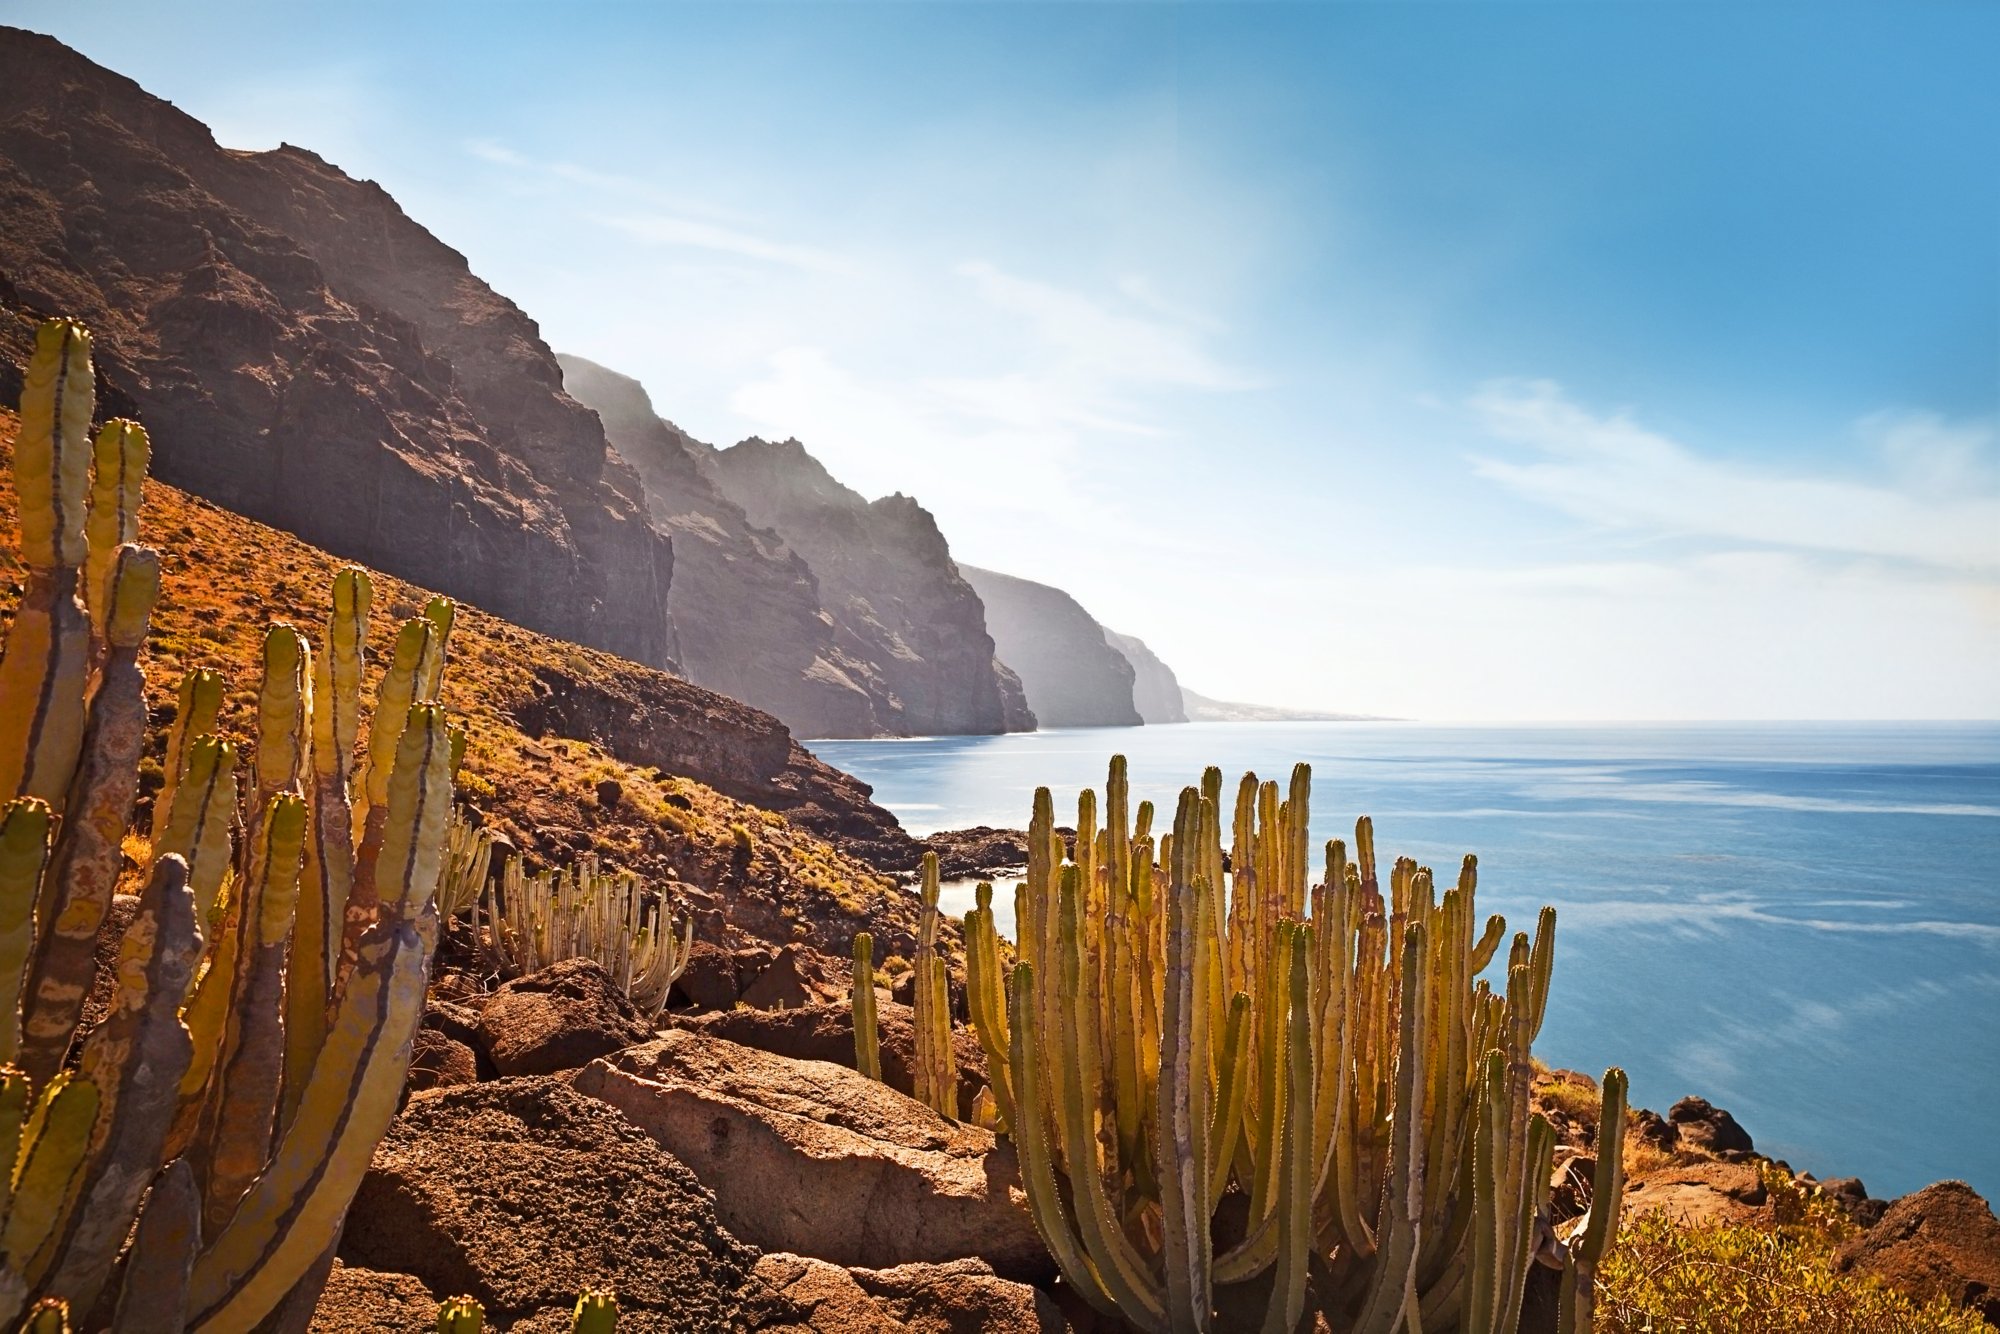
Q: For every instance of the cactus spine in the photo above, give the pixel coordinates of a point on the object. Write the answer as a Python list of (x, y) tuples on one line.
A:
[(867, 1036), (240, 1081), (1176, 1031)]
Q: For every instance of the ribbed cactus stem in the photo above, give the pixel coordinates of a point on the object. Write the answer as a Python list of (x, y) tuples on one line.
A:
[(867, 1038), (596, 1312), (936, 1075)]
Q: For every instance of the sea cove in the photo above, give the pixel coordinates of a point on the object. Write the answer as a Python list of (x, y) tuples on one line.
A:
[(1800, 922)]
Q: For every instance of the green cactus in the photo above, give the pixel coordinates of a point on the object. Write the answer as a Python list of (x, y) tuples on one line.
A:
[(583, 912), (468, 861), (935, 1076), (1598, 1230), (1176, 1031), (247, 1065), (867, 1035), (461, 1315), (596, 1312)]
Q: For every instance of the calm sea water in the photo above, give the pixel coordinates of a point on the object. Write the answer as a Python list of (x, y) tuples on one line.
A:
[(1800, 922)]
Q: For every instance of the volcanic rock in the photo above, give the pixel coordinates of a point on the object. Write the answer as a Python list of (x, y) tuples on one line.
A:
[(522, 1193), (890, 1181), (1940, 1241), (560, 1018)]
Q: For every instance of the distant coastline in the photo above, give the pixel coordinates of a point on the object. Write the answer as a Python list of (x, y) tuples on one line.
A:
[(1202, 709)]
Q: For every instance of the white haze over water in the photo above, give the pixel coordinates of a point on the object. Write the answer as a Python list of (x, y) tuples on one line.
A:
[(1800, 922)]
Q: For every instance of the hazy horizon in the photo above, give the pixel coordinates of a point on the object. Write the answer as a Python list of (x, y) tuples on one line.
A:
[(1391, 360)]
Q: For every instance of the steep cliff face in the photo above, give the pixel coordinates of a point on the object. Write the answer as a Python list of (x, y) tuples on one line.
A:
[(306, 354), (746, 606), (887, 578), (1156, 692), (1072, 674)]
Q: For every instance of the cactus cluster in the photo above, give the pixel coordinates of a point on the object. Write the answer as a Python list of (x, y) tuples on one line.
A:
[(596, 1313), (581, 911), (468, 861), (1184, 1028), (934, 1072), (185, 1163)]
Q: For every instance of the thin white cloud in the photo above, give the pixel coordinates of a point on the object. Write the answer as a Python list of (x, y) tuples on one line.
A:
[(667, 219), (1613, 471), (1116, 345)]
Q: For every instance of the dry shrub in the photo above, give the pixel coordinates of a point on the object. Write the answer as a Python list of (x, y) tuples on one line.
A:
[(1667, 1278)]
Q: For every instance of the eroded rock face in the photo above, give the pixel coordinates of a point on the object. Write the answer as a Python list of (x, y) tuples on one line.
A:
[(1156, 691), (746, 605), (561, 1018), (304, 353), (523, 1193), (362, 1301), (1940, 1241), (885, 575), (1072, 675), (826, 1033), (890, 1181)]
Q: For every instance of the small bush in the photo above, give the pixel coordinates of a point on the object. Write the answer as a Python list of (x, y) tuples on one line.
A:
[(1666, 1278)]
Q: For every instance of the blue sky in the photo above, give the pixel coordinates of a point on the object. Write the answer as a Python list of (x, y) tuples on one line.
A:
[(1505, 360)]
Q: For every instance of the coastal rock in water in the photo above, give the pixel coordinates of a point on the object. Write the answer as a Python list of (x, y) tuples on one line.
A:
[(745, 604), (363, 1301), (560, 1018), (886, 577), (1703, 1126), (305, 353), (1156, 691), (981, 852), (826, 1033), (523, 1192), (1940, 1241), (1072, 675), (890, 1181)]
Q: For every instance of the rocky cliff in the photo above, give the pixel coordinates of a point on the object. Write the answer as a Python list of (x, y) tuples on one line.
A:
[(1156, 692), (1072, 674), (746, 605), (306, 354), (887, 578)]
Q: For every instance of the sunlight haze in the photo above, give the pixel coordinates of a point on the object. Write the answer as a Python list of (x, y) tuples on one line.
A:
[(1350, 360)]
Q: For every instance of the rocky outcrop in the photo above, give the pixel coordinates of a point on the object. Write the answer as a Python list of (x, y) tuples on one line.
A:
[(886, 577), (362, 1301), (1072, 675), (1701, 1125), (825, 1032), (304, 353), (1156, 692), (522, 1193), (746, 606), (1941, 1241), (560, 1018), (890, 1181)]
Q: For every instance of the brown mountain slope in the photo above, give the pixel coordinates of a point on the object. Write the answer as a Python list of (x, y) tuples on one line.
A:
[(1074, 677), (552, 725), (307, 354), (887, 578), (746, 605)]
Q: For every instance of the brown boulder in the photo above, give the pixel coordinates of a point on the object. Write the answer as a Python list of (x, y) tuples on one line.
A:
[(795, 976), (1701, 1192), (825, 1032), (522, 1193), (709, 981), (825, 1296), (1701, 1125), (562, 1017), (362, 1301), (1940, 1241), (889, 1181), (437, 1061), (963, 1297)]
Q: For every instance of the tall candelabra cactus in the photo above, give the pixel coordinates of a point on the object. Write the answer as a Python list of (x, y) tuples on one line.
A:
[(186, 1162), (1181, 1026)]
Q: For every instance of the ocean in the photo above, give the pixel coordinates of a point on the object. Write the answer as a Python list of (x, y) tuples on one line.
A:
[(1799, 922)]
